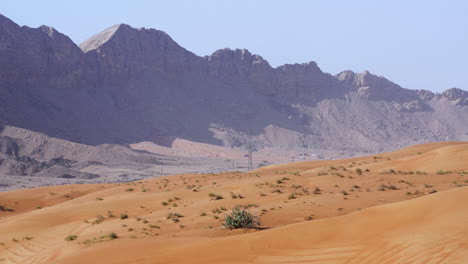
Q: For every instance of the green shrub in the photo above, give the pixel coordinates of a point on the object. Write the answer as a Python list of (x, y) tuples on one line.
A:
[(240, 218)]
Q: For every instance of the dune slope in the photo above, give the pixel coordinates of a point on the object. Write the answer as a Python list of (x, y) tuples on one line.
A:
[(431, 229), (407, 206)]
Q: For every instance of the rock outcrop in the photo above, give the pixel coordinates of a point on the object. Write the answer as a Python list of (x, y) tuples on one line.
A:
[(455, 95)]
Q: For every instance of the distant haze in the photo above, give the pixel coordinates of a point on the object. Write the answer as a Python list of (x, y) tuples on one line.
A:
[(416, 44)]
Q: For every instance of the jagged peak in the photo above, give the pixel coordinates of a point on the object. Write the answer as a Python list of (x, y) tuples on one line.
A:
[(362, 78), (99, 39), (231, 51), (11, 27), (106, 35), (306, 66), (455, 89), (239, 54), (50, 31), (350, 73), (454, 93)]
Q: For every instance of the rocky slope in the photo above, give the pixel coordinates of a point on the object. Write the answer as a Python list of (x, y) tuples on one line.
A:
[(127, 85)]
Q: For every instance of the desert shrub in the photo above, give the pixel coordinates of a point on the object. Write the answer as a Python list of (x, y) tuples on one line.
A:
[(277, 191), (359, 171), (99, 219), (216, 211), (6, 209), (338, 174), (71, 237), (174, 216), (246, 206), (442, 172), (240, 218), (123, 216), (317, 190), (218, 197), (112, 236)]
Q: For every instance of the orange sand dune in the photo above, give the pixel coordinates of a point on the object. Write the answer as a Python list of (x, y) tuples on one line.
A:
[(311, 212), (430, 157), (431, 229)]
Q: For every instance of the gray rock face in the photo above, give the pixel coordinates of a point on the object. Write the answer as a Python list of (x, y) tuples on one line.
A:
[(374, 87), (127, 85), (123, 53), (38, 57), (455, 95)]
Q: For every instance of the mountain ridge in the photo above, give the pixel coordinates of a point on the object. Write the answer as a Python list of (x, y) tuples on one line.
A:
[(127, 85)]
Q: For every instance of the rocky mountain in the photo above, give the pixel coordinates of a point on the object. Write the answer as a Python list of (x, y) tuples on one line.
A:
[(26, 153), (127, 85)]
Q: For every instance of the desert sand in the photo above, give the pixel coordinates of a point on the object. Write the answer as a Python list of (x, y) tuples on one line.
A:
[(406, 206)]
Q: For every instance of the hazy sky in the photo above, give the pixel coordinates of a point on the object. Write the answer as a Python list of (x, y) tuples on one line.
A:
[(417, 44)]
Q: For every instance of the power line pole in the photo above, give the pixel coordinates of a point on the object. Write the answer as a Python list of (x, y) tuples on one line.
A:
[(249, 154)]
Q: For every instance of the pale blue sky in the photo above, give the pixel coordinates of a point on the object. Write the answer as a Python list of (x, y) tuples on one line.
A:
[(417, 44)]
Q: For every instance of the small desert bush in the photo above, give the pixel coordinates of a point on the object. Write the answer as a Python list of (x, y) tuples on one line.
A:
[(71, 237), (174, 216), (112, 236), (240, 218), (442, 172), (218, 197)]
